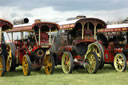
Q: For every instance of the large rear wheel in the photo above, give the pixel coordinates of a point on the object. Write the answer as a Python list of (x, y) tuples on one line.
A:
[(120, 62), (93, 63), (49, 64), (26, 63), (9, 58), (2, 65), (67, 62), (10, 61), (98, 49)]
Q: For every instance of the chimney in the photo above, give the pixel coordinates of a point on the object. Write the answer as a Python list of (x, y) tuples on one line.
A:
[(37, 20)]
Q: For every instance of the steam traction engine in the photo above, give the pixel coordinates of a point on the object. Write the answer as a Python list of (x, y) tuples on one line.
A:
[(32, 51), (114, 41), (70, 48), (4, 26)]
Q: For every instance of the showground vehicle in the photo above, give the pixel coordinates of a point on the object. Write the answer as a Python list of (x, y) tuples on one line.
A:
[(70, 48), (114, 41), (32, 51), (4, 26)]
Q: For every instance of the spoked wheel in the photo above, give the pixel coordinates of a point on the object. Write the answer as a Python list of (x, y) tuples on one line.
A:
[(98, 49), (2, 65), (26, 63), (49, 64), (93, 63), (67, 62), (120, 62), (10, 61), (9, 58)]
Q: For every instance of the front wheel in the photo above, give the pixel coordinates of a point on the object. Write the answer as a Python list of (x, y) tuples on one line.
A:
[(120, 62), (93, 62), (67, 62), (26, 63), (2, 65), (49, 64)]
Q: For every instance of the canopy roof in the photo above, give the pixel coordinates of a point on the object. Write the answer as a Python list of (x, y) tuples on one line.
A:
[(45, 26), (5, 25), (71, 23), (115, 28), (35, 26)]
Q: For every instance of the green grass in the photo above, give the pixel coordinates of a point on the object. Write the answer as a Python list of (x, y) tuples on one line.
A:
[(106, 76)]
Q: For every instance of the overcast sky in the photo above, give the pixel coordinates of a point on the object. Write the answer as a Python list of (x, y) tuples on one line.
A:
[(58, 10)]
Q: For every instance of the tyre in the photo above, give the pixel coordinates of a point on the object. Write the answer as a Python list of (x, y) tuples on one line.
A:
[(98, 49), (49, 64), (67, 62), (2, 65), (26, 63), (93, 62), (10, 61), (120, 62)]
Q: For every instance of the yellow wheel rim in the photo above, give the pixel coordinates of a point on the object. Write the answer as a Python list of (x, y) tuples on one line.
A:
[(48, 64), (119, 62), (25, 65), (94, 48), (92, 63), (9, 58), (1, 66), (66, 64)]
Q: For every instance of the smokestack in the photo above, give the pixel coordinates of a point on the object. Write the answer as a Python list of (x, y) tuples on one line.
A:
[(37, 20), (80, 17), (77, 17), (20, 21)]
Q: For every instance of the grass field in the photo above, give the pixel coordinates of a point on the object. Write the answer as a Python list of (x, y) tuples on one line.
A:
[(106, 76)]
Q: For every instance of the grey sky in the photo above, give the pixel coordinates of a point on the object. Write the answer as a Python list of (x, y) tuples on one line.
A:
[(60, 9), (67, 5)]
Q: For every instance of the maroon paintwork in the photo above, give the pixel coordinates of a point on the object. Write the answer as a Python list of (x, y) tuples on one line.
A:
[(22, 47), (72, 28)]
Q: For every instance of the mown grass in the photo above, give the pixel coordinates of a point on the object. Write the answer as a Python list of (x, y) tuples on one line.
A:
[(106, 76)]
